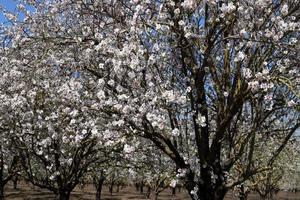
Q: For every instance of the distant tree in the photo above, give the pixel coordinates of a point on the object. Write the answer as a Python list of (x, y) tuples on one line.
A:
[(281, 175), (9, 159), (9, 162), (150, 170)]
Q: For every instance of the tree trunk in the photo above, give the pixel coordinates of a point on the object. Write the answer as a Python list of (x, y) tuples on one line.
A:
[(1, 176), (156, 195), (148, 192), (243, 195), (142, 188), (111, 187), (63, 195), (179, 189), (137, 186), (99, 188), (173, 191), (1, 192), (15, 182), (206, 190), (209, 193)]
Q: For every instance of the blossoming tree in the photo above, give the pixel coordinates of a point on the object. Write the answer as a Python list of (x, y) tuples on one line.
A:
[(51, 122), (202, 80), (9, 161)]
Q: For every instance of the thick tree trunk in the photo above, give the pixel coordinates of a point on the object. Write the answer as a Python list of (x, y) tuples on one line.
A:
[(242, 197), (99, 188), (63, 195), (208, 194), (206, 190), (212, 194), (210, 189)]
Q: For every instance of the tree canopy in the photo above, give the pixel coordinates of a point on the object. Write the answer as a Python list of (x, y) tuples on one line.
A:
[(208, 83)]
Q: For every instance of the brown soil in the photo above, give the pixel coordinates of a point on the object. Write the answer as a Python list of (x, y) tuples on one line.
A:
[(27, 192)]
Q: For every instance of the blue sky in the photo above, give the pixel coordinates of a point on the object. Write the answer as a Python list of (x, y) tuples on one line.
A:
[(9, 5)]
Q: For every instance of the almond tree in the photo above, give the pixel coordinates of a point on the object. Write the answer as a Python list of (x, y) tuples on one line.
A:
[(147, 167), (283, 175), (9, 162), (269, 182), (9, 159), (291, 164), (52, 125), (202, 80)]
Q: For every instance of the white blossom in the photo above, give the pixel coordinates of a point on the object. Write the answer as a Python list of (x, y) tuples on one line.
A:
[(175, 132), (201, 121), (128, 149)]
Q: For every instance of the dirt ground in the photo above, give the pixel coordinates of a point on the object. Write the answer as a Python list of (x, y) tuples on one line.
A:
[(26, 192)]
